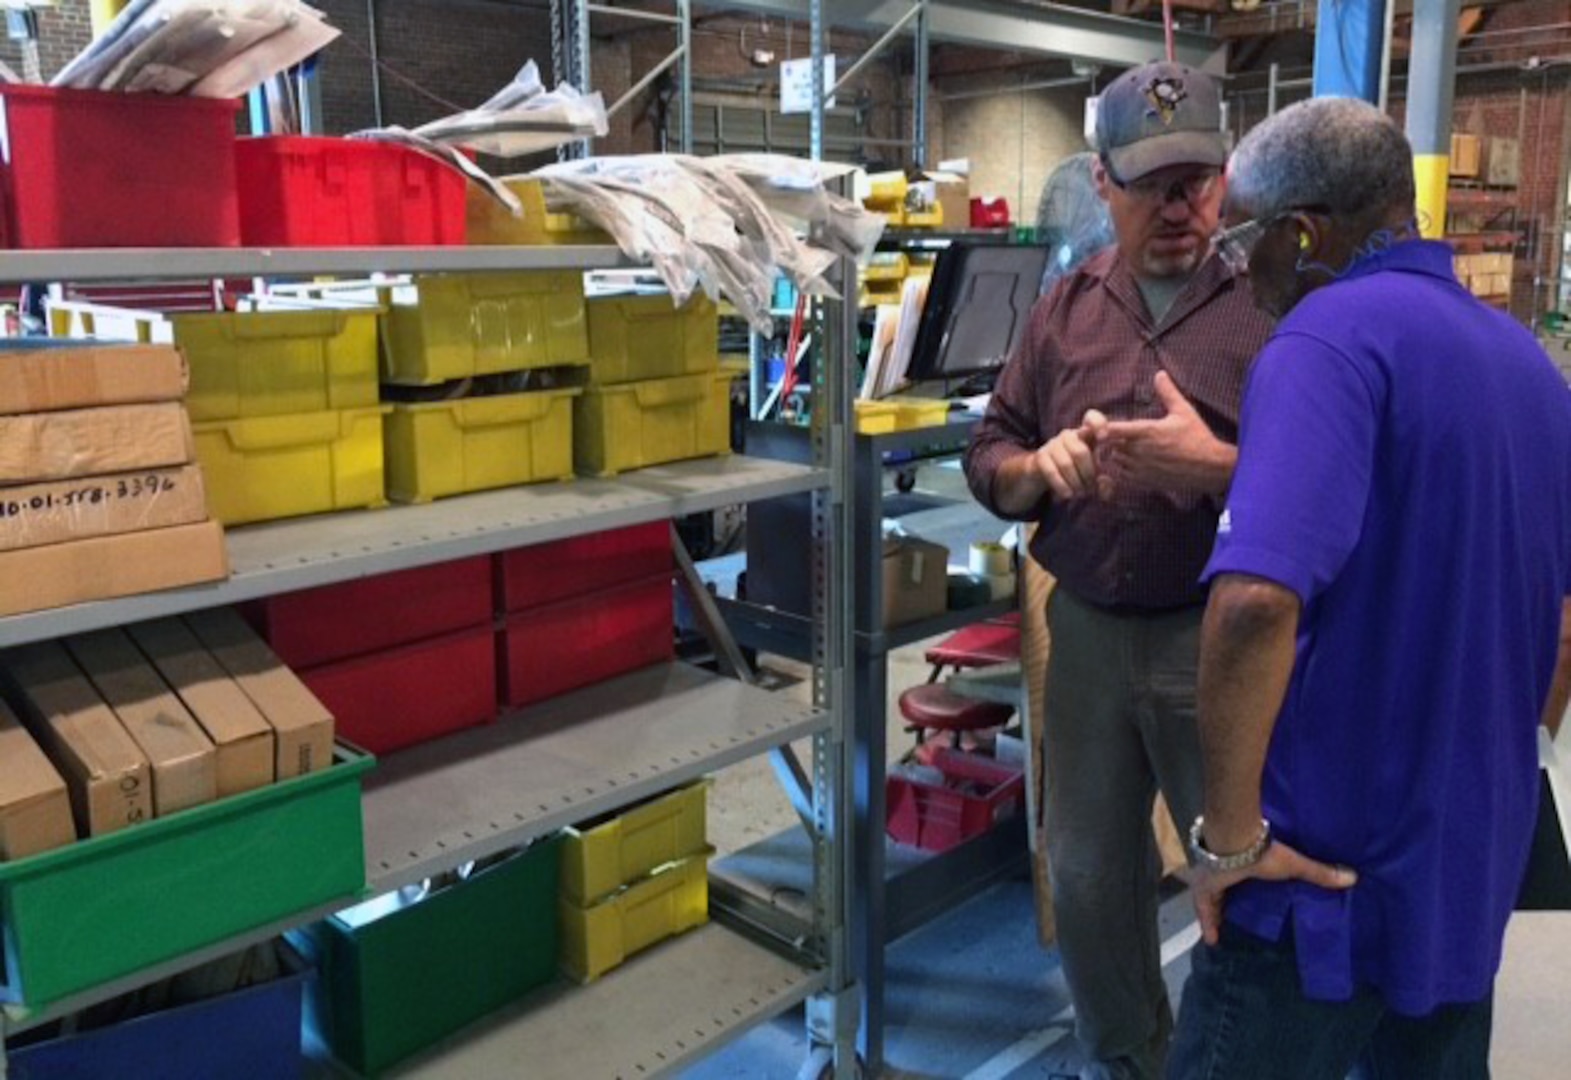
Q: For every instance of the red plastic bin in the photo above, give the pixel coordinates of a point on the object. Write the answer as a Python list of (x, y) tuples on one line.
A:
[(411, 694), (977, 793), (545, 573), (85, 168), (552, 649), (335, 622), (304, 191)]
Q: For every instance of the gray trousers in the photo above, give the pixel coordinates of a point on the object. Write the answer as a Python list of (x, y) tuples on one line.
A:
[(1119, 721)]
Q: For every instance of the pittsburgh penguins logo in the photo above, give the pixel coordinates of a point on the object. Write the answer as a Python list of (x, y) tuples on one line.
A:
[(1164, 94)]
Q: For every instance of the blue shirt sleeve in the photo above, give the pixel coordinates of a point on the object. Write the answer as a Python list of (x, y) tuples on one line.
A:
[(1306, 456)]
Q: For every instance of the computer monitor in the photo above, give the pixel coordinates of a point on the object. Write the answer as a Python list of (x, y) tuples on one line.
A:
[(978, 304)]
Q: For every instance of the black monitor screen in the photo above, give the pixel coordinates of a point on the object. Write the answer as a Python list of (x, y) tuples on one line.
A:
[(977, 308)]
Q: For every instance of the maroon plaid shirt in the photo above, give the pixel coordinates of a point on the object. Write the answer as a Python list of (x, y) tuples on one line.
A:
[(1091, 344)]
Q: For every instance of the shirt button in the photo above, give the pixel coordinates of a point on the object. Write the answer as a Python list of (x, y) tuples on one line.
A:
[(1143, 394)]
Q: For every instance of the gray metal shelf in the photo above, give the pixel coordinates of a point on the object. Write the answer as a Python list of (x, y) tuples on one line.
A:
[(283, 556), (148, 264), (659, 1012), (468, 795)]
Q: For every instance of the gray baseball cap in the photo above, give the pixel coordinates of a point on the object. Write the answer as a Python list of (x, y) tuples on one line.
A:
[(1160, 114)]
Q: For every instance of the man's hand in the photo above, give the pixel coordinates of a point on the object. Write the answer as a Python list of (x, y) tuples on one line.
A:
[(1067, 461), (1279, 863), (1179, 450)]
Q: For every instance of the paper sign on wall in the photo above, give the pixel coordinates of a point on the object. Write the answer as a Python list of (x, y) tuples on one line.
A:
[(796, 84)]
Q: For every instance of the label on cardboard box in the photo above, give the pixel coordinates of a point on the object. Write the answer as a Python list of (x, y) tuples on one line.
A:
[(104, 567), (32, 515), (301, 724), (106, 773), (184, 763), (35, 810), (74, 377), (242, 737), (90, 442)]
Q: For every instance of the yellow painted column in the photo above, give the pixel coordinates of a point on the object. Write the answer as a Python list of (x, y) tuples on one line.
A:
[(1430, 173), (102, 12)]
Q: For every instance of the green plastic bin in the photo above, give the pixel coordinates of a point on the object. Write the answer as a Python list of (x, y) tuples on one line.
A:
[(101, 908), (391, 984)]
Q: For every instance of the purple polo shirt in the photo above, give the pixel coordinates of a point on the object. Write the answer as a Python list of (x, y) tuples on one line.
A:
[(1405, 468)]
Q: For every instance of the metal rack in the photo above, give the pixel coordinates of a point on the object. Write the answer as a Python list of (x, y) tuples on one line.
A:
[(436, 806)]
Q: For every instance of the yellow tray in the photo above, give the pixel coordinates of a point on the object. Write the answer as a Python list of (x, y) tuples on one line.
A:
[(488, 221), (448, 447), (918, 412), (264, 467), (596, 939), (876, 418), (632, 338), (633, 425), (598, 860), (485, 324)]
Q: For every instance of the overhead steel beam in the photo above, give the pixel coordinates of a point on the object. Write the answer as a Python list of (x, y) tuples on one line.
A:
[(1047, 29)]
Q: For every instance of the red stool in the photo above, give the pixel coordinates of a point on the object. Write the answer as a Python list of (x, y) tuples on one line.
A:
[(996, 641), (932, 707)]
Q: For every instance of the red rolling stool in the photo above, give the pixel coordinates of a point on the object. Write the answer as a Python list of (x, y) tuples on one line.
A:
[(933, 707)]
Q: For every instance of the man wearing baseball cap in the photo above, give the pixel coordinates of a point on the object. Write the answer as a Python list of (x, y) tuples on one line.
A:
[(1113, 426)]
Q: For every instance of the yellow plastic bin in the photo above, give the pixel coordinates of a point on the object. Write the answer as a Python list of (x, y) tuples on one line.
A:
[(600, 858), (632, 338), (633, 425), (266, 467), (484, 324), (918, 412), (885, 266), (597, 938), (447, 447), (489, 222), (876, 418)]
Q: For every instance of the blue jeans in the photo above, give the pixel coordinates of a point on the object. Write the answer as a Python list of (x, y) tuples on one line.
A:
[(1244, 1017)]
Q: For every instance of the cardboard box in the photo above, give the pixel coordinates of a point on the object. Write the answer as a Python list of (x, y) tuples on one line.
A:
[(916, 580), (185, 770), (1466, 154), (106, 773), (241, 735), (302, 726), (90, 442), (32, 515), (1502, 161), (82, 376), (35, 811), (105, 567), (953, 193)]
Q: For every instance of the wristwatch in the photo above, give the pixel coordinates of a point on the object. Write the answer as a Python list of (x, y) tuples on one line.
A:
[(1222, 864)]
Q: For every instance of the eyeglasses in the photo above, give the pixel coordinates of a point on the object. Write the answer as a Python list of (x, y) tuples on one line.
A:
[(1151, 189), (1236, 244)]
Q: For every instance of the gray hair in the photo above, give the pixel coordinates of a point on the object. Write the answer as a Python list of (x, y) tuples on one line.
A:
[(1338, 153)]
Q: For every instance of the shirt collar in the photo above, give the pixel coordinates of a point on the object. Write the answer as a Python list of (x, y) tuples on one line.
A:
[(1431, 257), (1113, 270)]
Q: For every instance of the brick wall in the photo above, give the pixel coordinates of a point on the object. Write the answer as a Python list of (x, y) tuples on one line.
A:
[(63, 32)]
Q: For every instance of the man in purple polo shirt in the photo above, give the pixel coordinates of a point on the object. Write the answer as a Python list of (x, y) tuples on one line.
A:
[(1380, 635)]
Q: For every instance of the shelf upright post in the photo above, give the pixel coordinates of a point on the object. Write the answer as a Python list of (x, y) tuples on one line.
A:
[(919, 80), (684, 11)]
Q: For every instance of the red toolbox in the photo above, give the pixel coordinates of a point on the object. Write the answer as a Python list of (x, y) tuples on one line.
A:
[(545, 573), (312, 191), (976, 793), (411, 694), (85, 168), (334, 622), (552, 649)]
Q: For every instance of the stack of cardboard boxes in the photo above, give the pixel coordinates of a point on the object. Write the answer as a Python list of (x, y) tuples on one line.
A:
[(105, 730), (1487, 274), (100, 495)]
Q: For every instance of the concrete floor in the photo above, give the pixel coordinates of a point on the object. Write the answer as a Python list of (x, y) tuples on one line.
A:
[(973, 996)]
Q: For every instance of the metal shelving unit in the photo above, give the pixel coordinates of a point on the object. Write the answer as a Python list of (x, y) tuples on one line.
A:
[(433, 807)]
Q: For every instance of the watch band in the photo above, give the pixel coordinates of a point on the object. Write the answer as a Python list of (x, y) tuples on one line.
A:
[(1222, 864)]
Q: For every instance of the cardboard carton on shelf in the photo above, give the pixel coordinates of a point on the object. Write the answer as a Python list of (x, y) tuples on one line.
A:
[(1466, 155), (32, 515), (91, 442), (241, 734), (302, 726), (35, 810), (44, 379), (184, 763), (107, 567), (916, 580), (106, 773)]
